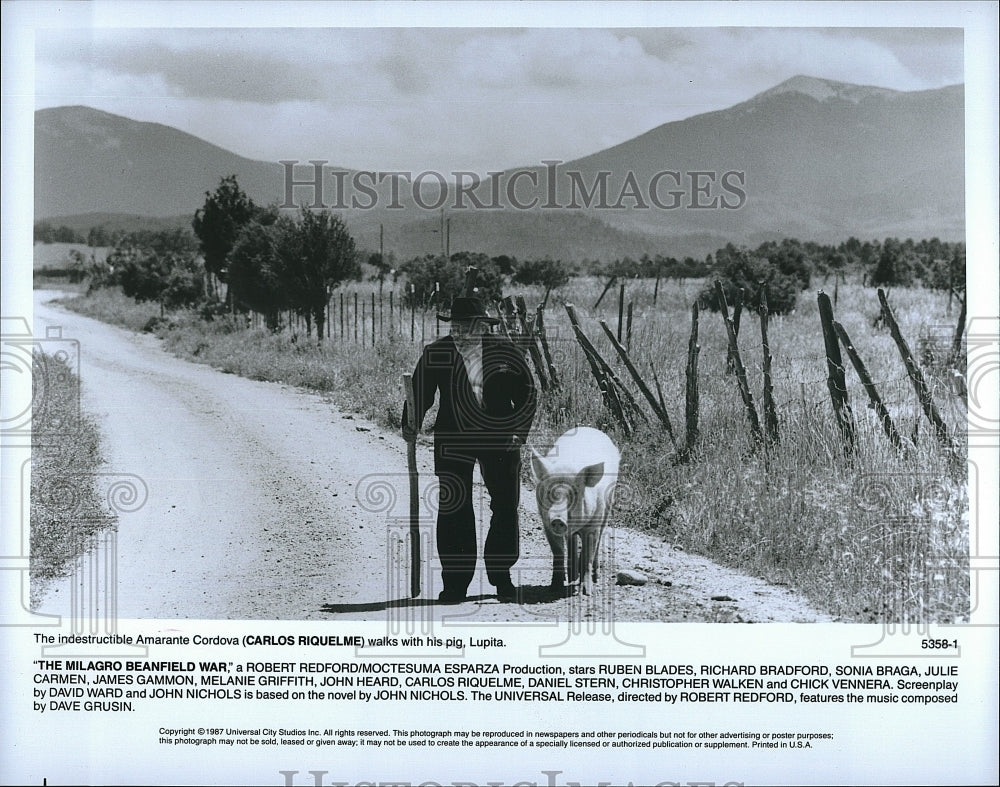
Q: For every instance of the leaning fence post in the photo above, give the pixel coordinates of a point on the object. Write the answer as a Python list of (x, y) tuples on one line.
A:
[(770, 413), (540, 331), (887, 425), (956, 343), (529, 343), (836, 383), (914, 372), (597, 368), (660, 412), (741, 374), (604, 292)]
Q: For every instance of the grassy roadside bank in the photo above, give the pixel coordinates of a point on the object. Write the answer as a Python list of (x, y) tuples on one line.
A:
[(877, 536), (66, 512)]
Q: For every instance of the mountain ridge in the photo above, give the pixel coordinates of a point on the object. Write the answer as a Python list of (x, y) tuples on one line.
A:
[(821, 160)]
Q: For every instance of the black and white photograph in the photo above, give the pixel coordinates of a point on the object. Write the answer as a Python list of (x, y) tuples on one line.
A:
[(548, 376)]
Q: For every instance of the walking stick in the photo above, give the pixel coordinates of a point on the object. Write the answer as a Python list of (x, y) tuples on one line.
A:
[(411, 466)]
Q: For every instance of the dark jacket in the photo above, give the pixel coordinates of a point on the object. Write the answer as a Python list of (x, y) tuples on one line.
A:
[(509, 397)]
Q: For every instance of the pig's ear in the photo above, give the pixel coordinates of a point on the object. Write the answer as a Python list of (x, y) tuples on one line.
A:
[(538, 467), (592, 474)]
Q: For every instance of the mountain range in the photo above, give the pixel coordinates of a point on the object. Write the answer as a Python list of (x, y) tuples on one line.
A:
[(809, 158)]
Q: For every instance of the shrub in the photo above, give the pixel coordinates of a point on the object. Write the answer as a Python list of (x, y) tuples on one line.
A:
[(547, 272), (159, 266), (739, 268)]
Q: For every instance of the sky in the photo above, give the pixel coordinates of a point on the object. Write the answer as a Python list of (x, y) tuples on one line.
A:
[(445, 98), (478, 99)]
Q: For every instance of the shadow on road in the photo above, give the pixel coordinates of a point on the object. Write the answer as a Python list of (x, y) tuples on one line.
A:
[(527, 594)]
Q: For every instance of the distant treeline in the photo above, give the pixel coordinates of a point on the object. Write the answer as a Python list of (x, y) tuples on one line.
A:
[(47, 233), (241, 257)]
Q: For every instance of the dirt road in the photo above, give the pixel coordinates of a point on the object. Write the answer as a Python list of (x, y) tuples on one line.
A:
[(266, 502)]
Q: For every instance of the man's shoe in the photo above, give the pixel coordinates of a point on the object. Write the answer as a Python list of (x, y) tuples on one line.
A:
[(451, 596), (506, 592)]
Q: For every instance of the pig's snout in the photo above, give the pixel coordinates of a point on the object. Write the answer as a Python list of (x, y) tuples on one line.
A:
[(558, 527)]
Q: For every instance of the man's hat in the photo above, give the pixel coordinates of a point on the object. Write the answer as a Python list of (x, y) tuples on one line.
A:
[(468, 309)]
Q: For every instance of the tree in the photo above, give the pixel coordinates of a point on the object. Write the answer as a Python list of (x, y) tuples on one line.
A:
[(438, 281), (218, 222), (99, 236), (550, 273), (255, 273), (789, 257), (313, 256), (894, 266)]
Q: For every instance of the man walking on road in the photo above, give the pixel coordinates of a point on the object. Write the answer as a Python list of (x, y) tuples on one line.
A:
[(487, 403)]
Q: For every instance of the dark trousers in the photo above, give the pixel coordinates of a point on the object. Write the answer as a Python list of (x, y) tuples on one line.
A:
[(456, 519)]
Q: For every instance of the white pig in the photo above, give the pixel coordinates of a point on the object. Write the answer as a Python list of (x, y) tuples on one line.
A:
[(575, 485)]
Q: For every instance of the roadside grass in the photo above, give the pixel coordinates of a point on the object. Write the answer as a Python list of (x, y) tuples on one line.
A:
[(871, 535), (66, 514)]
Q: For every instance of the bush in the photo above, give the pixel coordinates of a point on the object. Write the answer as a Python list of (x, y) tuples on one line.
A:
[(738, 268), (547, 272), (159, 266)]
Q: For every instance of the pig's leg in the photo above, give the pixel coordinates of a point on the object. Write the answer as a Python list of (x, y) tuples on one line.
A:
[(597, 547), (588, 554), (573, 559), (558, 545)]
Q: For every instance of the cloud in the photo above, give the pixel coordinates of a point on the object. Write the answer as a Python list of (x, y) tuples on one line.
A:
[(457, 98), (189, 71)]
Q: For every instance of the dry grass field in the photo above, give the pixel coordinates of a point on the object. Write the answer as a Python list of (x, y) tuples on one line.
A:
[(869, 535)]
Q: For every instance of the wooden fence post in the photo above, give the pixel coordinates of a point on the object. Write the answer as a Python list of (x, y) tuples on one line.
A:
[(528, 336), (737, 314), (540, 332), (956, 344), (471, 276), (621, 307), (836, 383), (691, 386), (604, 292), (505, 327), (887, 425), (741, 375), (628, 328), (608, 392), (770, 412), (915, 374), (660, 412)]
